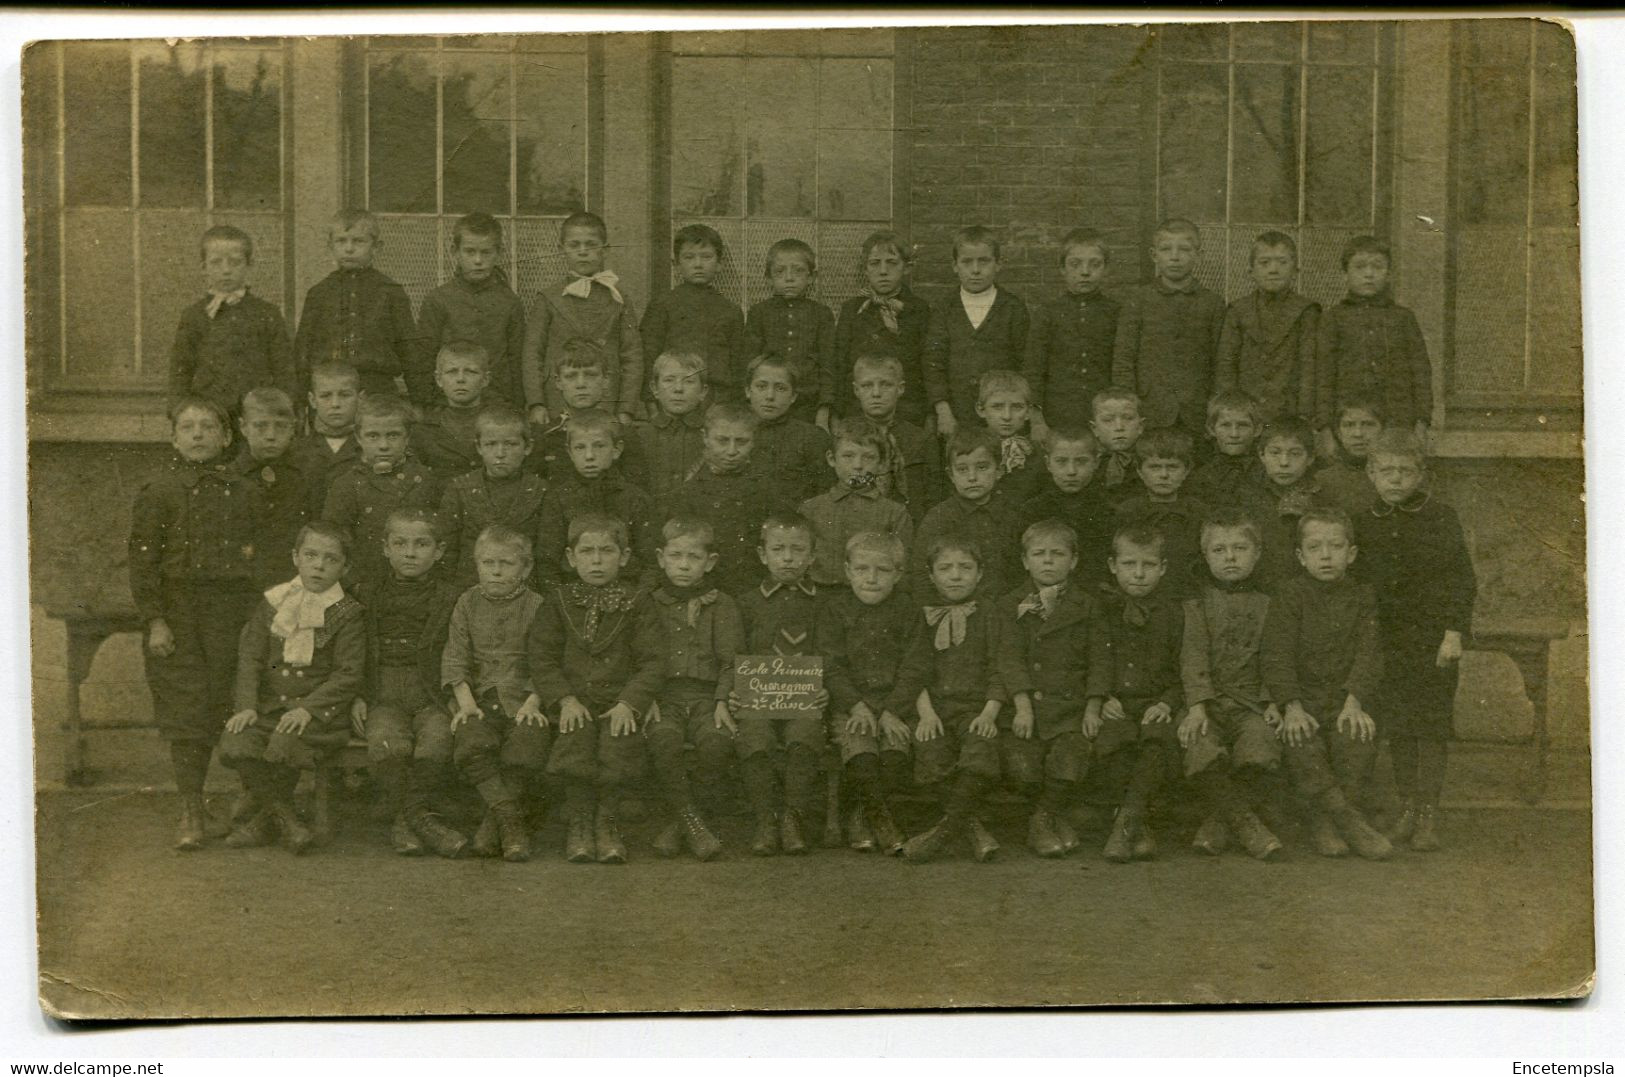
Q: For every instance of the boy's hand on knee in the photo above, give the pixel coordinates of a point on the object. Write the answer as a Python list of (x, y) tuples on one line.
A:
[(1157, 714), (160, 640), (896, 731), (1091, 718), (1112, 710), (725, 718), (930, 727), (623, 721), (1354, 722), (861, 720), (1298, 725), (572, 715), (530, 712), (986, 724), (241, 721), (358, 718), (1272, 717), (1193, 726), (1449, 650), (293, 722), (1021, 724)]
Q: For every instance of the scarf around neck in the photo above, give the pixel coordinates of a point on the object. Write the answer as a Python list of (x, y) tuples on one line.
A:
[(299, 614), (224, 299), (950, 622), (889, 306), (597, 601), (581, 287), (1041, 601)]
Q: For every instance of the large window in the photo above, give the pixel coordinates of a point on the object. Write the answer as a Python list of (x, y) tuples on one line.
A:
[(1272, 125), (1515, 252), (135, 149), (459, 125), (780, 134)]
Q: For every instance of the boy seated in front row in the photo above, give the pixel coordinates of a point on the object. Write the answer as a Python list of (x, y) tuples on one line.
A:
[(581, 380), (1165, 460), (977, 509), (386, 478), (730, 492), (301, 662), (1003, 404), (500, 492), (1232, 424), (862, 633), (446, 440), (792, 450), (702, 634), (593, 484), (1056, 661), (1281, 491), (665, 450), (400, 714), (951, 674), (330, 446), (500, 734), (1322, 659), (1228, 733), (1134, 734), (1342, 476), (289, 496), (599, 653), (1074, 494), (914, 477), (780, 617), (858, 501), (1115, 421)]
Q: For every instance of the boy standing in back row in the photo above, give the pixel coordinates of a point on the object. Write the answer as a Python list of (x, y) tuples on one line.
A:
[(1168, 333)]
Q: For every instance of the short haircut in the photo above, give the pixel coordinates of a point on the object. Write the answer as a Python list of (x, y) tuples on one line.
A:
[(583, 219), (976, 236), (1272, 238), (1325, 516), (1002, 381), (478, 225), (1177, 226), (888, 239), (1365, 245), (1050, 529), (1139, 532), (578, 354), (1113, 394), (198, 403), (1230, 519), (505, 536), (225, 233), (383, 406), (403, 517), (1071, 435), (1085, 237), (326, 529), (351, 218), (857, 430), (469, 351), (725, 411), (876, 542), (689, 527), (596, 420), (968, 439), (786, 521), (596, 523), (1287, 428), (269, 399), (798, 248), (696, 235), (500, 417), (1167, 443), (1400, 442), (685, 362), (772, 359), (334, 370), (955, 542), (1361, 402), (878, 363), (1233, 400)]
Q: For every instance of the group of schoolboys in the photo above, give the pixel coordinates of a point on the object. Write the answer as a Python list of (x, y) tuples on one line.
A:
[(1080, 551)]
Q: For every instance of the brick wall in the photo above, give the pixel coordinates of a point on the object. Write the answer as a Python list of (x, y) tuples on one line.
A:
[(1031, 131)]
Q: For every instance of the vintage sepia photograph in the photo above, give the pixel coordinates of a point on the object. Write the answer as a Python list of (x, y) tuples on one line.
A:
[(823, 519)]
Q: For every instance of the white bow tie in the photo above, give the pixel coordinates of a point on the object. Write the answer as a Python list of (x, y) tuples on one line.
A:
[(581, 287)]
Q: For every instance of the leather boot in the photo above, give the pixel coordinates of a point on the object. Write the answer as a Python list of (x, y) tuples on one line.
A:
[(701, 841), (1145, 843), (511, 827), (437, 835), (1255, 837), (982, 845), (404, 838), (669, 842), (1212, 837), (1120, 846), (487, 839), (606, 835), (189, 828), (1041, 836), (1365, 841), (1064, 831), (766, 840), (295, 835), (578, 841), (888, 837), (1426, 838), (858, 834), (214, 826), (928, 845), (790, 837), (1405, 825), (259, 829), (1328, 842)]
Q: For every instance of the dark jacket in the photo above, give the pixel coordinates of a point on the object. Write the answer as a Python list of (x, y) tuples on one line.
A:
[(488, 313), (360, 317), (191, 522), (861, 330), (1166, 343), (957, 354), (1373, 347), (1060, 662), (863, 648), (624, 660), (244, 346), (431, 641), (1321, 645), (692, 318), (1069, 355), (1267, 350)]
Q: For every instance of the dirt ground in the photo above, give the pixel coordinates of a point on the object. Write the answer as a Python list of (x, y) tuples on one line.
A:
[(130, 928)]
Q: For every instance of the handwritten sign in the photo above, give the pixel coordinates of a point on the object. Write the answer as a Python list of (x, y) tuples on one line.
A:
[(778, 686)]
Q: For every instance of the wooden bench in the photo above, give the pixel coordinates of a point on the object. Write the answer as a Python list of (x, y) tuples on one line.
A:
[(1528, 642)]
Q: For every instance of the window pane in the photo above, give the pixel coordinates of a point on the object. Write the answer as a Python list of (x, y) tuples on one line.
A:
[(1268, 40), (552, 107), (706, 166), (400, 133), (781, 137), (1556, 188), (247, 129), (1339, 153), (855, 94), (172, 125), (854, 175), (96, 113), (1342, 42), (1195, 41), (1499, 42), (1490, 310), (478, 105), (1193, 142), (1494, 147), (170, 278), (1555, 313), (96, 244), (1265, 164)]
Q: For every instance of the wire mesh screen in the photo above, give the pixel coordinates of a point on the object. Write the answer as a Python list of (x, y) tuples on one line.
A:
[(171, 277), (416, 251), (837, 245), (1227, 254)]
